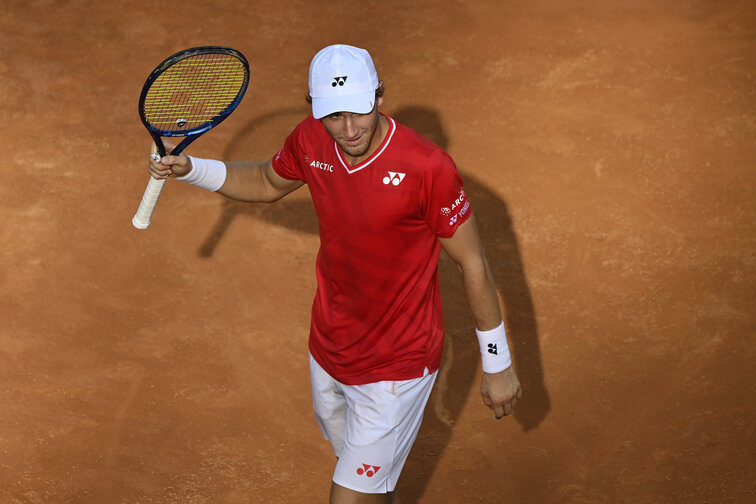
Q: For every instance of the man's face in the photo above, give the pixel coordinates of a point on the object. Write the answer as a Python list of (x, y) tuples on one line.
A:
[(355, 133)]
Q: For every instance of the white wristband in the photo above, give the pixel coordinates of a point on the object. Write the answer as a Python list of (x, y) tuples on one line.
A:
[(494, 349), (208, 174)]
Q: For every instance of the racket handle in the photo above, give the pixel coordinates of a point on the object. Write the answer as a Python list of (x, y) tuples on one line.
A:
[(143, 215)]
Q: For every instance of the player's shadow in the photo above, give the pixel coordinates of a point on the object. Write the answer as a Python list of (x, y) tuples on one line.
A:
[(458, 378), (291, 212)]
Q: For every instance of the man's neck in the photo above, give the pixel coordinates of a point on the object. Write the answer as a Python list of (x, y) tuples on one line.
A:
[(378, 137)]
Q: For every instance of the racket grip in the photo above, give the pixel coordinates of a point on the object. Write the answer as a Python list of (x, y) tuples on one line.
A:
[(143, 215)]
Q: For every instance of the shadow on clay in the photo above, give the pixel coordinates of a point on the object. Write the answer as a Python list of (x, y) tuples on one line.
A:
[(458, 378)]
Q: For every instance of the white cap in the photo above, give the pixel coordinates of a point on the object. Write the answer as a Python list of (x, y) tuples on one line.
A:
[(342, 79)]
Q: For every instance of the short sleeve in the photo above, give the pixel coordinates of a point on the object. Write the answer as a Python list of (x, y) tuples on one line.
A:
[(444, 201), (286, 161)]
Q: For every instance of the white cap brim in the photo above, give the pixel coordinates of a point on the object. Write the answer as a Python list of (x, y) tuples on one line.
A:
[(357, 104)]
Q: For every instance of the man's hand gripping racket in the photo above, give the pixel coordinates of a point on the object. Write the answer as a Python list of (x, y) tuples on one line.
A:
[(185, 96)]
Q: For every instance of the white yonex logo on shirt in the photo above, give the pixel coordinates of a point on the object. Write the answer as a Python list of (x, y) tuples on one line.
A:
[(394, 178), (461, 200)]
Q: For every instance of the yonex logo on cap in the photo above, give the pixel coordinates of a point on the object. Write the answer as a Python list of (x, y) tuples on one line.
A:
[(330, 71)]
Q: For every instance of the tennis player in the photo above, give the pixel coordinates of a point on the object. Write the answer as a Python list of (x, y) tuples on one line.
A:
[(387, 200)]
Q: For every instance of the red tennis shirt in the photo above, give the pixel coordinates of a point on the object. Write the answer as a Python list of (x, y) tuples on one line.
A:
[(377, 310)]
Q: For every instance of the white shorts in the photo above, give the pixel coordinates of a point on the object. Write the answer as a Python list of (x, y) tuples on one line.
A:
[(371, 427)]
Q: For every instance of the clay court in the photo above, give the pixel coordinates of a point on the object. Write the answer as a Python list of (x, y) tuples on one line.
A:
[(608, 149)]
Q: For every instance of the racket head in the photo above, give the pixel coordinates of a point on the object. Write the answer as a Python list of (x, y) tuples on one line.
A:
[(191, 92)]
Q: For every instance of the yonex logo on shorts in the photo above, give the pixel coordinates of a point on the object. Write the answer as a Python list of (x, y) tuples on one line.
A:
[(394, 178), (340, 81), (368, 470)]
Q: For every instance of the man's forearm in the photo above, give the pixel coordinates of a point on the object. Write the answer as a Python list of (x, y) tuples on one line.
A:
[(255, 182), (481, 295), (245, 181)]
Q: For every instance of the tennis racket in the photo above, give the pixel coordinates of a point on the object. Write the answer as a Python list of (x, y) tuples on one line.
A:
[(185, 96)]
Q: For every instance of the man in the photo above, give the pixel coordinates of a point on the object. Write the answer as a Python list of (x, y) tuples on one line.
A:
[(387, 201)]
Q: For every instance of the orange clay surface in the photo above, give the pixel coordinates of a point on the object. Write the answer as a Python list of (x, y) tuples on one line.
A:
[(609, 151)]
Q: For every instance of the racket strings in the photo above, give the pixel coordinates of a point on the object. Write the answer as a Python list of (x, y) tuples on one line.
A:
[(194, 91)]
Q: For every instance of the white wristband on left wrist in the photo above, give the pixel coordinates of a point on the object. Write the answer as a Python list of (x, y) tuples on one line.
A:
[(494, 349)]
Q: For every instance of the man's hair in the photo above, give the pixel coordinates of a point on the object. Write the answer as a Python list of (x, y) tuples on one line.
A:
[(378, 93)]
